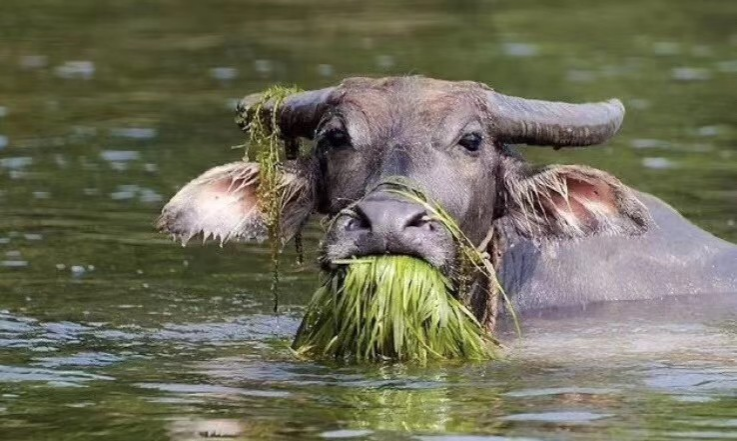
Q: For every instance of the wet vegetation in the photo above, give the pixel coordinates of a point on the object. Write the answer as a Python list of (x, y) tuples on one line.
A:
[(108, 330), (390, 308)]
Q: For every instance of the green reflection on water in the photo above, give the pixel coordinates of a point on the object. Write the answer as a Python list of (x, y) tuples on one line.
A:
[(91, 290)]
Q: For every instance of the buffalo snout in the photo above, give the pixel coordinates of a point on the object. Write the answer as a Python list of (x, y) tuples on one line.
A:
[(382, 224)]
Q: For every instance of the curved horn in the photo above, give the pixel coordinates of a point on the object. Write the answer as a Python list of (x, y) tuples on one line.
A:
[(536, 122), (298, 116)]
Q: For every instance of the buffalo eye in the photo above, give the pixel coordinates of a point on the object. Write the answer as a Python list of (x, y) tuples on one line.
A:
[(335, 138), (471, 141)]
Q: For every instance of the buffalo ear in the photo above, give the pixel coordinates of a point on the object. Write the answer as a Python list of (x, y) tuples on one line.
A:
[(222, 203), (569, 201)]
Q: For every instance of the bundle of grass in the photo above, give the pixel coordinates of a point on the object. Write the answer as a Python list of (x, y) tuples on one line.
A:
[(390, 307)]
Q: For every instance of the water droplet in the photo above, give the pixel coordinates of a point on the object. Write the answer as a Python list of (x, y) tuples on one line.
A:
[(14, 263), (687, 74), (658, 163), (520, 50), (77, 270), (3, 112), (557, 417), (346, 433), (129, 306), (649, 144), (137, 133), (3, 141), (149, 196), (81, 70), (41, 194), (122, 195), (709, 131), (224, 73), (120, 155), (16, 163)]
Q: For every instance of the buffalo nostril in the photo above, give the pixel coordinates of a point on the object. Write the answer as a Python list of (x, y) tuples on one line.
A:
[(357, 222), (352, 224), (421, 220)]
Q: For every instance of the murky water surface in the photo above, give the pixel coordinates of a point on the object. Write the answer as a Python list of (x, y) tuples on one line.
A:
[(109, 331)]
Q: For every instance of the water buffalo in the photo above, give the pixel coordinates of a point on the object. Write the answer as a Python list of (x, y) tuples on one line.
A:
[(563, 235)]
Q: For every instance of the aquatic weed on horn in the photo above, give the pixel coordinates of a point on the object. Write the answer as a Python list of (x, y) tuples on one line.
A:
[(265, 136)]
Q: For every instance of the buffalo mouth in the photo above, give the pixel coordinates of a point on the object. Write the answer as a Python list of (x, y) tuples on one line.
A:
[(390, 307)]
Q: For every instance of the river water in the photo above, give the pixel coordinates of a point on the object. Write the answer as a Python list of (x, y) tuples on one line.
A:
[(110, 331)]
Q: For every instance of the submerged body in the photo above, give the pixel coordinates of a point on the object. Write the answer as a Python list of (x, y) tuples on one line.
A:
[(673, 258)]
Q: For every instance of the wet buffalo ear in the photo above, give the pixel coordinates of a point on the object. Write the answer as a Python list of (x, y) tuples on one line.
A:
[(566, 201), (222, 204)]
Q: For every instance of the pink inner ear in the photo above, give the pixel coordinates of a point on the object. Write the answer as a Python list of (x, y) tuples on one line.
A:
[(221, 206), (222, 203), (587, 201), (244, 192), (571, 206)]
